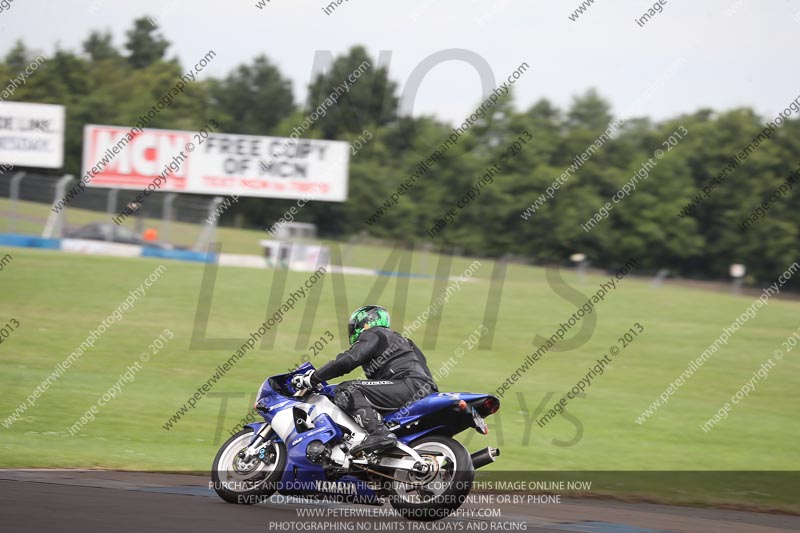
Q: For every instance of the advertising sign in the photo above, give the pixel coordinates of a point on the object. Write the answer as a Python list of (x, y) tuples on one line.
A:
[(32, 135), (216, 163)]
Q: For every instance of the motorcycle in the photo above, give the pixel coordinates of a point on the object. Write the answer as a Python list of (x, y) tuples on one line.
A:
[(303, 449)]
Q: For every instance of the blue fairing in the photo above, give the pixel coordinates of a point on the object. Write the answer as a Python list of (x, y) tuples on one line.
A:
[(256, 427), (430, 404), (438, 413)]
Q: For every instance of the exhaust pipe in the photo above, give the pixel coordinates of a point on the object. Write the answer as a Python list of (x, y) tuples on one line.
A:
[(484, 457)]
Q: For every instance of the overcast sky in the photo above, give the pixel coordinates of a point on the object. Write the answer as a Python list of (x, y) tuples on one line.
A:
[(736, 53)]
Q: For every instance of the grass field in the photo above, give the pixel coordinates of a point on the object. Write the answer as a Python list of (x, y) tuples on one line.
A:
[(30, 219), (59, 298)]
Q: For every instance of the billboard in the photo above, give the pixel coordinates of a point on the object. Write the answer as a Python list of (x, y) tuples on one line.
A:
[(32, 135), (215, 163)]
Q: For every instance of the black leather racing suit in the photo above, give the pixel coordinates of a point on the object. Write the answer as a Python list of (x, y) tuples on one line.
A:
[(397, 373)]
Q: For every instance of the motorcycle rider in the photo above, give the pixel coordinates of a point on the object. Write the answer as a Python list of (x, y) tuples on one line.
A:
[(396, 371)]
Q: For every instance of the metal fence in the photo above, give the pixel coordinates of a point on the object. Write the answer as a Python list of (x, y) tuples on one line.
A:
[(28, 206)]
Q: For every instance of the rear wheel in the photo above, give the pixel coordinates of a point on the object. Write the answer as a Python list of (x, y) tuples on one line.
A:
[(443, 489), (247, 482)]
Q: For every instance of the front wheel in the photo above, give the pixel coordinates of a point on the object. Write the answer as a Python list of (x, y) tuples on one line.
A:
[(247, 482), (442, 490)]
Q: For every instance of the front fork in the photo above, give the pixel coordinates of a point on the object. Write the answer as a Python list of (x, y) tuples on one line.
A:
[(258, 446)]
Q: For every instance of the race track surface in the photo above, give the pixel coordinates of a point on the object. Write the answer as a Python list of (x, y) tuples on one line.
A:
[(122, 502)]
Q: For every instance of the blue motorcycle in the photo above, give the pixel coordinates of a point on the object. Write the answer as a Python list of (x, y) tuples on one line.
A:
[(303, 449)]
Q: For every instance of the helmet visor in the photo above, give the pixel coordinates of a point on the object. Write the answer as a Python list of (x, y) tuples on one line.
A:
[(351, 330)]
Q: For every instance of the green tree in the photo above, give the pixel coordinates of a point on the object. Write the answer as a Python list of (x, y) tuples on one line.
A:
[(97, 86), (368, 102), (144, 45), (18, 57), (99, 47), (589, 111), (257, 97)]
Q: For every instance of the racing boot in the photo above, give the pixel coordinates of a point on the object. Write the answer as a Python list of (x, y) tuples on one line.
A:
[(379, 438)]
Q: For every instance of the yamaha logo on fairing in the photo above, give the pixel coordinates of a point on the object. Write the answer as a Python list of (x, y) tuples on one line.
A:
[(295, 441), (335, 486)]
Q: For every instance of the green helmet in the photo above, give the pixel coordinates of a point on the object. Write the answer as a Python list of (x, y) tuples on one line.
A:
[(369, 315)]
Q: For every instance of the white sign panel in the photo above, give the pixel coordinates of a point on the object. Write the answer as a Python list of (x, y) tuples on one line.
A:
[(32, 135), (215, 163)]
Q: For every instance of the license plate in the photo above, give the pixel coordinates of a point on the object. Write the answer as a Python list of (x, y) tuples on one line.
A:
[(480, 423)]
